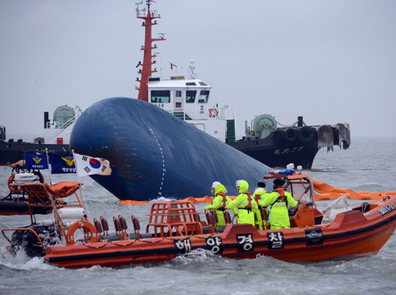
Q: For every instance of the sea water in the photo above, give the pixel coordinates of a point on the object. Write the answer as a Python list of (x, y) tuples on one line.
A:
[(369, 164)]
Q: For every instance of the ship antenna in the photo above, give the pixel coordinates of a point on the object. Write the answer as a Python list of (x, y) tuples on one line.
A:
[(137, 4), (149, 3), (148, 61)]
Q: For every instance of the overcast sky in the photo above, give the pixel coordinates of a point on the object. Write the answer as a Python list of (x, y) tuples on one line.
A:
[(329, 61)]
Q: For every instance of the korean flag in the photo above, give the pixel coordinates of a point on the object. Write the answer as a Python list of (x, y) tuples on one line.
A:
[(87, 165)]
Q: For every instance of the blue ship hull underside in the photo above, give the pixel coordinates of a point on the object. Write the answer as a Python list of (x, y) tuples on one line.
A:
[(153, 153)]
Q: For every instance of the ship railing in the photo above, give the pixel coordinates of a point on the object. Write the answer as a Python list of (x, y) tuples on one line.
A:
[(198, 112), (174, 77), (143, 13)]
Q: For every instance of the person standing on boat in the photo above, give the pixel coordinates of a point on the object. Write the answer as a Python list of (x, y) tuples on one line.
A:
[(260, 191), (279, 199), (259, 195), (219, 202), (214, 187), (245, 206)]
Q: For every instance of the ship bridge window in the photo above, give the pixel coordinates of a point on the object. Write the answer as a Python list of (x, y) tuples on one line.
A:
[(203, 96), (160, 96), (191, 84), (203, 84), (190, 96)]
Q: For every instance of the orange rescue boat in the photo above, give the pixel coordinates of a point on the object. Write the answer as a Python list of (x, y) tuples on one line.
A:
[(15, 203), (175, 228)]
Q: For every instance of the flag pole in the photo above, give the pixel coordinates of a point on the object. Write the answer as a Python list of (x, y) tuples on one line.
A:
[(79, 186), (49, 171)]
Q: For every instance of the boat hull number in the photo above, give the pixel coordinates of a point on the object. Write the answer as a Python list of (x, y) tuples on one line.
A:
[(386, 209)]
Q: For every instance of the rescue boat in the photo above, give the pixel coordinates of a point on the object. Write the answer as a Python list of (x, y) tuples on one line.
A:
[(71, 240), (15, 203)]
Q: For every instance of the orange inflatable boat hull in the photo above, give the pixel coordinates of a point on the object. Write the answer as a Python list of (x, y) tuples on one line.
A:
[(352, 232)]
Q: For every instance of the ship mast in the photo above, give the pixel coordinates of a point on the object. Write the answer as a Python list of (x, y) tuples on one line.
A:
[(146, 69)]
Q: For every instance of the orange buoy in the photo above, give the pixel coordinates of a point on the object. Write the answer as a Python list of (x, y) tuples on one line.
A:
[(13, 188), (87, 226), (213, 113)]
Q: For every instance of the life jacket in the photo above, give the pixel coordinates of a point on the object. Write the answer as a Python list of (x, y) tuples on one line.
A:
[(224, 201), (281, 191), (249, 206), (257, 197)]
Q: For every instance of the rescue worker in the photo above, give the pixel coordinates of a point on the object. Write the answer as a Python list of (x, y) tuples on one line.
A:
[(245, 206), (219, 202), (279, 199), (214, 187), (259, 194), (260, 191)]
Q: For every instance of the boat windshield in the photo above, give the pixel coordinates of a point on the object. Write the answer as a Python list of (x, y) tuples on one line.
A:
[(162, 96), (190, 96), (302, 190), (203, 96)]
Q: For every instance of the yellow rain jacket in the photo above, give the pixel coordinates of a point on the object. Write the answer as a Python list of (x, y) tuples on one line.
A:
[(279, 215), (259, 193), (218, 204), (240, 203)]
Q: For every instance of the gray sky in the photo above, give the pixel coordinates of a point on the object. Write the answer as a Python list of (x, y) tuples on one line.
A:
[(329, 61)]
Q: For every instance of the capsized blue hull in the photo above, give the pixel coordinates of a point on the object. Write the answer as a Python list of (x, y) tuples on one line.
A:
[(155, 154)]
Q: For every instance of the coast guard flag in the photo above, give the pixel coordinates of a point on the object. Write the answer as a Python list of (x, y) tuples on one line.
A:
[(61, 163), (87, 165), (33, 161)]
